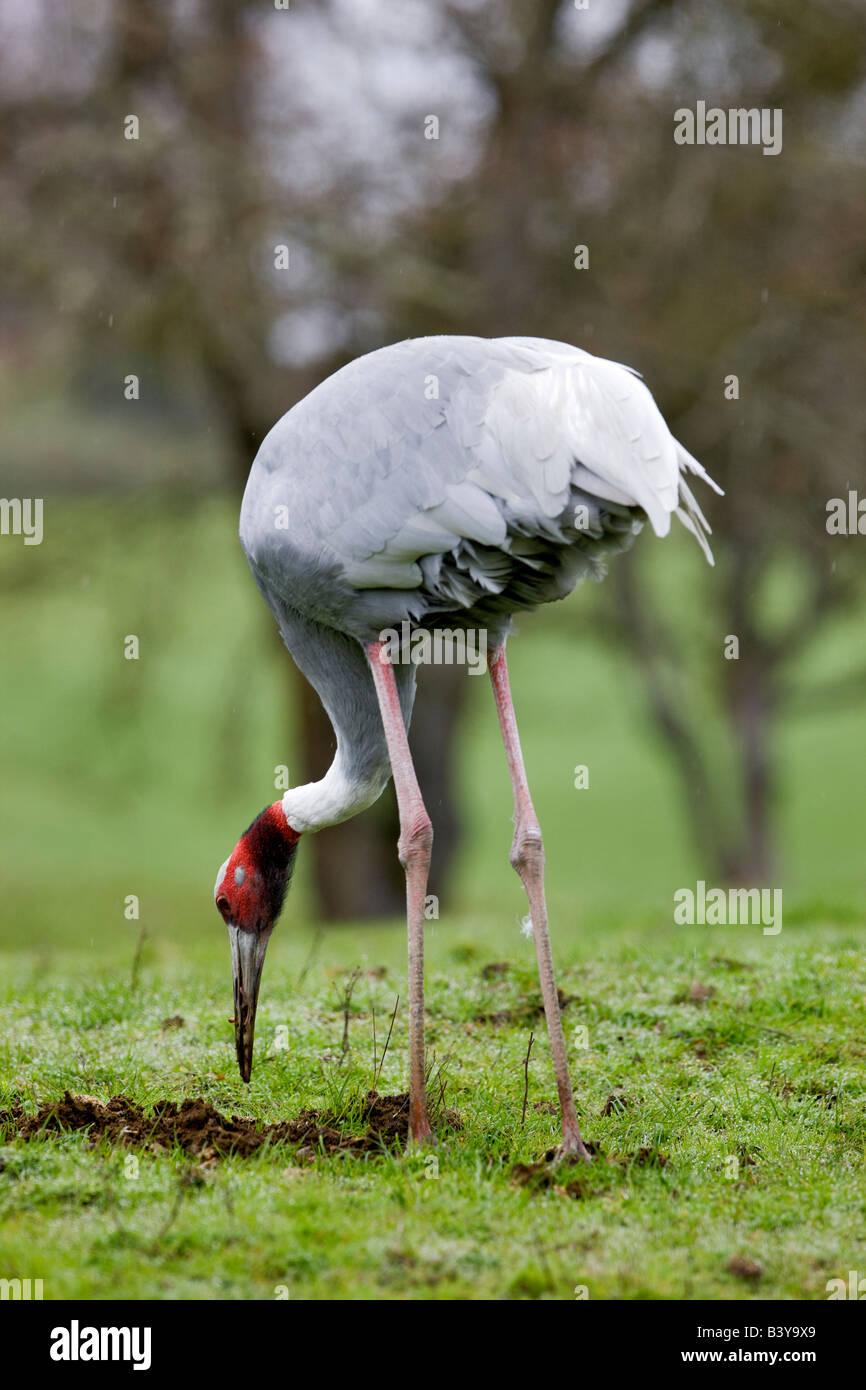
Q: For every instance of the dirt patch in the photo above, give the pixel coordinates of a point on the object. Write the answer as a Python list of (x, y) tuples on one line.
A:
[(568, 1177), (748, 1156), (526, 1012), (802, 1090), (820, 1092), (572, 1177), (644, 1158), (616, 1103), (744, 1267), (697, 993), (495, 969), (197, 1128)]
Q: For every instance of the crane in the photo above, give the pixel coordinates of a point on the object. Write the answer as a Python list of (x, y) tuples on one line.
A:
[(443, 483)]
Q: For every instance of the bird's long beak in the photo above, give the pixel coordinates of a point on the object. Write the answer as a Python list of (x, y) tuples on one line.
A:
[(248, 957)]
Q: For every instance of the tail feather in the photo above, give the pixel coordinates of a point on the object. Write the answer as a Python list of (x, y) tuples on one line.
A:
[(691, 524), (690, 463), (689, 511)]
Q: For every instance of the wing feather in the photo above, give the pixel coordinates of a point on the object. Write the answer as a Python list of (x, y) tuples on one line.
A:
[(461, 447)]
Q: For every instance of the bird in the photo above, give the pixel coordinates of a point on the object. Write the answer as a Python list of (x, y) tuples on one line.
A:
[(440, 484)]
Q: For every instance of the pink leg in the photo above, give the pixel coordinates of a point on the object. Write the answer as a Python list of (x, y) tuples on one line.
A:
[(527, 856), (416, 842)]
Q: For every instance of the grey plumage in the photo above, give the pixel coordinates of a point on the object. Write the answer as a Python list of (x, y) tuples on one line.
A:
[(450, 481), (437, 480)]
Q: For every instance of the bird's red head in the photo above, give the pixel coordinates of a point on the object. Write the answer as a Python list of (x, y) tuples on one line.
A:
[(249, 894)]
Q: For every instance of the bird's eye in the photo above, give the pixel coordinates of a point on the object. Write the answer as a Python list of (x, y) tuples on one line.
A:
[(223, 904)]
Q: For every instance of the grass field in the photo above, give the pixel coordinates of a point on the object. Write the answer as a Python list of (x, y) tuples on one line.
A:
[(764, 1072), (733, 1153)]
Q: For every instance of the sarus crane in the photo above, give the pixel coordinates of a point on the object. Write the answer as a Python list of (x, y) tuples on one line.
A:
[(444, 483)]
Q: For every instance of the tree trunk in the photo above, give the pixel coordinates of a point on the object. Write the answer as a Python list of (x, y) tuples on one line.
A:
[(751, 862)]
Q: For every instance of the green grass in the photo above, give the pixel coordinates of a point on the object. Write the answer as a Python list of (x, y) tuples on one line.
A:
[(767, 1070)]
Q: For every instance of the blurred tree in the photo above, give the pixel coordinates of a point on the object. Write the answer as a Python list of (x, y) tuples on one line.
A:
[(705, 264), (158, 253), (311, 128)]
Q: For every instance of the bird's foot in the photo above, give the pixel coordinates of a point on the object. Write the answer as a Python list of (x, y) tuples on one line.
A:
[(571, 1150), (420, 1133), (421, 1138)]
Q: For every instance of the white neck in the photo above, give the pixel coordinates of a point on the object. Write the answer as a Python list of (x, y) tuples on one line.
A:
[(336, 797)]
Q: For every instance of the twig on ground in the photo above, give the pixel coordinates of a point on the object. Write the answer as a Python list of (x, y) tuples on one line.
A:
[(347, 1004), (378, 1071), (526, 1079), (136, 960)]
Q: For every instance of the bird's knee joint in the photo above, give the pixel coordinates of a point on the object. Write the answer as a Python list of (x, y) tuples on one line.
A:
[(416, 843), (527, 851)]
